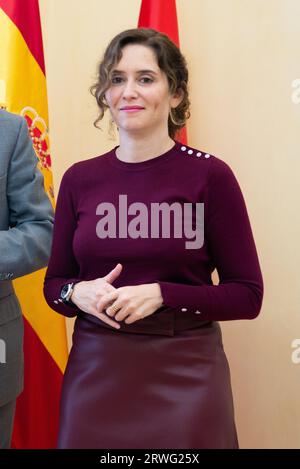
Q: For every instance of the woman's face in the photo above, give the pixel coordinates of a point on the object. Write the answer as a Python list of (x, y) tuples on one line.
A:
[(139, 97)]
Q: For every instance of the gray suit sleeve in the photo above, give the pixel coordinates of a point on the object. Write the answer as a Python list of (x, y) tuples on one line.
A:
[(25, 246)]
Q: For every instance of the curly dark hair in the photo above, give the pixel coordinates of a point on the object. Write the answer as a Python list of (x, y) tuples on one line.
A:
[(170, 60)]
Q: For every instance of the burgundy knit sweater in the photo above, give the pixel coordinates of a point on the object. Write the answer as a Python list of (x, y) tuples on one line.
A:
[(106, 195)]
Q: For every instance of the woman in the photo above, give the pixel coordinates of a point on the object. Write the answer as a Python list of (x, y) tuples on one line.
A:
[(147, 367)]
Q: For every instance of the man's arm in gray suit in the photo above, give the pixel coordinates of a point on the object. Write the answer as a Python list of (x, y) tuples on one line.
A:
[(25, 247)]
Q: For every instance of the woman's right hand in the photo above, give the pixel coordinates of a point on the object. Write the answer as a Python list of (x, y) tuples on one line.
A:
[(87, 294)]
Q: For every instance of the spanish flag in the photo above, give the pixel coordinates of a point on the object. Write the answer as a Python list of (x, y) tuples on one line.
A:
[(162, 16), (23, 91)]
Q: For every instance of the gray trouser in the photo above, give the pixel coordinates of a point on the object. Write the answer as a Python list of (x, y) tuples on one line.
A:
[(7, 413)]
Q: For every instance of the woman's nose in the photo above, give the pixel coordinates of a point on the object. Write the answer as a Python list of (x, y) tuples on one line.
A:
[(130, 89)]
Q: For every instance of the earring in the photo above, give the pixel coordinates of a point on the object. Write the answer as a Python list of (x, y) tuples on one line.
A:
[(111, 130)]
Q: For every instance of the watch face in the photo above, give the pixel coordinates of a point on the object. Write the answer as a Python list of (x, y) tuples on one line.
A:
[(65, 291)]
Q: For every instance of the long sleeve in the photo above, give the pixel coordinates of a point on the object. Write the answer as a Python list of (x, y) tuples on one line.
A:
[(25, 244), (229, 239), (79, 254), (62, 267)]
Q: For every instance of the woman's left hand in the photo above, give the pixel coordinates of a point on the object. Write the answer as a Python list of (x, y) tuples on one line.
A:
[(131, 303)]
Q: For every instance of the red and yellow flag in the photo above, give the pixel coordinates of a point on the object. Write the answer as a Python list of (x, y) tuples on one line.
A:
[(162, 16), (23, 91)]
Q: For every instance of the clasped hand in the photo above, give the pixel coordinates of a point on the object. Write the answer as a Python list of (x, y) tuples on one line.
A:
[(131, 303)]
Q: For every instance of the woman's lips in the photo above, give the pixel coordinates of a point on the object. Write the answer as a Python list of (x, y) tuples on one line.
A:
[(132, 109)]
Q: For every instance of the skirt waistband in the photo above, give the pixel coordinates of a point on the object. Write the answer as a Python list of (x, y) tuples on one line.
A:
[(165, 321)]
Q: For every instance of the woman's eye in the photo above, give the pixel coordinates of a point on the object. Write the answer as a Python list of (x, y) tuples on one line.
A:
[(116, 80), (146, 80)]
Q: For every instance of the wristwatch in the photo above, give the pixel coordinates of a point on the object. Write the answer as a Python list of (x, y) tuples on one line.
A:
[(66, 293)]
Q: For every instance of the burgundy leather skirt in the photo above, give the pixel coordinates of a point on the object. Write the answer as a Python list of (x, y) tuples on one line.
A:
[(150, 391)]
